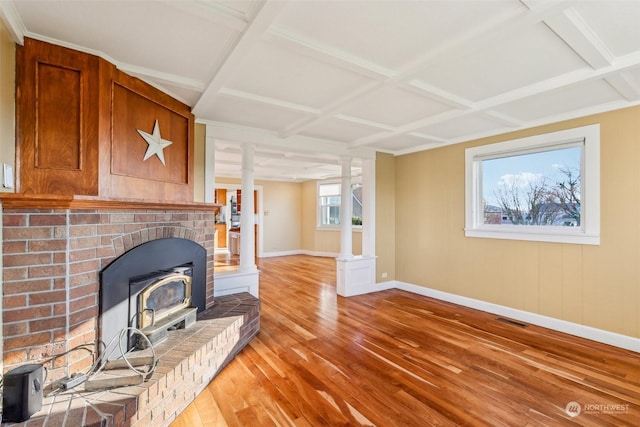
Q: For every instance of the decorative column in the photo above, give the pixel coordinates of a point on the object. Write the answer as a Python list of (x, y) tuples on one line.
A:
[(247, 217), (346, 211), (357, 275)]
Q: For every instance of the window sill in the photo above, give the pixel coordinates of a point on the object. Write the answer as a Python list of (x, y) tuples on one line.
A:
[(551, 236)]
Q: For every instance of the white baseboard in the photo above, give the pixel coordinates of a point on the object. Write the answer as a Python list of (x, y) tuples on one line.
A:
[(280, 253), (588, 332)]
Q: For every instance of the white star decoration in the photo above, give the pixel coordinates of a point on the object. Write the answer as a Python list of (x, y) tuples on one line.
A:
[(156, 143)]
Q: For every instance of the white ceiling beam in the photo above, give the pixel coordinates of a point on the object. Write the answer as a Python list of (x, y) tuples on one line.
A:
[(577, 34), (302, 145), (363, 122), (332, 109), (268, 101), (626, 85), (424, 89), (325, 53), (287, 156), (256, 27)]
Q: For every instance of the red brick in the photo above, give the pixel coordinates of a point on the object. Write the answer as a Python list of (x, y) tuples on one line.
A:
[(47, 350), (60, 309), (27, 286), (14, 357), (82, 316), (84, 290), (27, 313), (121, 218), (13, 329), (22, 233), (84, 266), (84, 242), (59, 283), (27, 259), (15, 301), (47, 324), (105, 251), (27, 341), (83, 279), (82, 254), (15, 247), (37, 298), (115, 229), (82, 303), (60, 232), (47, 271), (52, 245), (131, 228), (89, 217), (59, 257), (82, 231), (14, 220), (47, 219)]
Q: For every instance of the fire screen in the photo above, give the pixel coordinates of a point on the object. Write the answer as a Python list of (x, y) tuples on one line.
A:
[(163, 298)]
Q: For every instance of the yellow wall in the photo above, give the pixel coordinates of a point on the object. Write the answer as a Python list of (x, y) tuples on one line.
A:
[(7, 100), (282, 215), (597, 286), (385, 217)]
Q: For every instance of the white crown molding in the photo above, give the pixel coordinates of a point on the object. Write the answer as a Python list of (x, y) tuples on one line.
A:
[(161, 77), (14, 23)]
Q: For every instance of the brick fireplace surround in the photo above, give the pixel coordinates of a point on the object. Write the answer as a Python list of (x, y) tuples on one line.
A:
[(52, 260)]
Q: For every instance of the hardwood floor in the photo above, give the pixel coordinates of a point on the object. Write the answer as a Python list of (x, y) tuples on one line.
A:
[(397, 359)]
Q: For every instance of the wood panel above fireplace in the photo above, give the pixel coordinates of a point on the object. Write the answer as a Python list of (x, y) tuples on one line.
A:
[(78, 121)]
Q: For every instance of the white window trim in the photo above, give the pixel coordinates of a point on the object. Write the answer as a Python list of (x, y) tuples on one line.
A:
[(589, 231)]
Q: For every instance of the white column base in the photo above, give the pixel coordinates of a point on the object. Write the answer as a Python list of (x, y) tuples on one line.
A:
[(356, 275), (234, 282)]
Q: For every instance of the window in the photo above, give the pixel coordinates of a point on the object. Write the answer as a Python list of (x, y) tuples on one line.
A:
[(541, 188), (329, 195)]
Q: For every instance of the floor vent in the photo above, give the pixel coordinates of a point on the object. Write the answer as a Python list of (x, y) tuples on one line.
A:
[(512, 322)]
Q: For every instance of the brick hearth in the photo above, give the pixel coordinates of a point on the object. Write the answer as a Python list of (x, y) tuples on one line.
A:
[(187, 361)]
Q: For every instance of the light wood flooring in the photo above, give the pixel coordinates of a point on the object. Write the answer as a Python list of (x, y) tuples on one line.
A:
[(397, 359)]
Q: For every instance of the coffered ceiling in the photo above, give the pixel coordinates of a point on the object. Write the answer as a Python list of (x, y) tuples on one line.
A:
[(310, 81)]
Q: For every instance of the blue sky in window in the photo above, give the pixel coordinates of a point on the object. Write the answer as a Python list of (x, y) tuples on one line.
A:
[(524, 169)]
